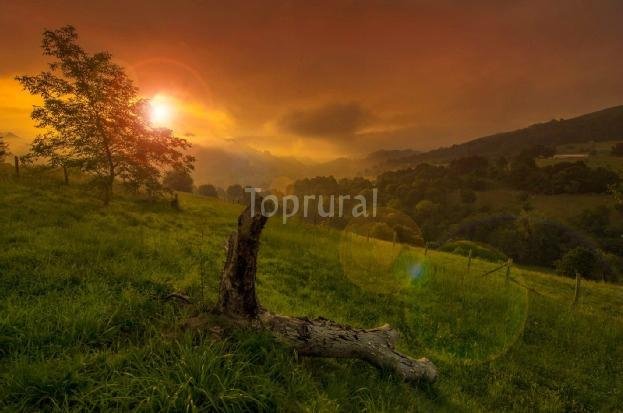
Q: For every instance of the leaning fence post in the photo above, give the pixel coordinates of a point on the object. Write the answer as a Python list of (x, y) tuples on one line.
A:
[(576, 296), (509, 264), (65, 175), (394, 243), (16, 166), (469, 260), (426, 249)]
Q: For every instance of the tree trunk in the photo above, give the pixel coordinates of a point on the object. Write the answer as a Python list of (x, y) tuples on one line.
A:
[(319, 337), (237, 289)]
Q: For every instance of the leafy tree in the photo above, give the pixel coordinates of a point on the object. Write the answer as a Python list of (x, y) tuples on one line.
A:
[(207, 190), (595, 221), (578, 260), (93, 118), (470, 164), (235, 193), (426, 209), (381, 230), (540, 151), (409, 235), (178, 180), (4, 149), (617, 150)]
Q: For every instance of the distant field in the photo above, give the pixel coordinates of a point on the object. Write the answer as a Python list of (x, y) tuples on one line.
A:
[(562, 206), (599, 155), (83, 323)]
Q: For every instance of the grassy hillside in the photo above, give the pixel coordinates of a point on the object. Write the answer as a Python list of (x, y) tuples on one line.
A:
[(83, 322), (560, 206), (599, 154)]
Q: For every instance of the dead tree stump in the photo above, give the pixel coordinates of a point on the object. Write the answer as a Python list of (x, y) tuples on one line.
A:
[(319, 337)]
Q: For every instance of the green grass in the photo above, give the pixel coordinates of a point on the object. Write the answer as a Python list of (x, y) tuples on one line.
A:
[(559, 207), (84, 324), (600, 155)]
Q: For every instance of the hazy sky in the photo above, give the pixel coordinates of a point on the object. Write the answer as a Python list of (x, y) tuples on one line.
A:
[(323, 79)]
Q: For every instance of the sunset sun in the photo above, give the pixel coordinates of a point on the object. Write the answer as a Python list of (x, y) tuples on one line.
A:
[(160, 112)]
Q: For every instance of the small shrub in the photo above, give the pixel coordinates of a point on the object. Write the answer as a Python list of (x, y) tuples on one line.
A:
[(578, 260), (479, 250)]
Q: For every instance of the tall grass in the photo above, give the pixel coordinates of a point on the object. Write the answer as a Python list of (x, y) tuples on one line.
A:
[(84, 326)]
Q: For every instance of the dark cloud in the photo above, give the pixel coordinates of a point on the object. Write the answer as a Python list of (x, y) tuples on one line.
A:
[(334, 120), (432, 72)]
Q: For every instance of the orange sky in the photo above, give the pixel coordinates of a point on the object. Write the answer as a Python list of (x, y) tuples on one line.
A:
[(324, 79)]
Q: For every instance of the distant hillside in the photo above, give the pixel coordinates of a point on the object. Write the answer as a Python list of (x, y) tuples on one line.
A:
[(604, 125), (223, 166), (17, 144)]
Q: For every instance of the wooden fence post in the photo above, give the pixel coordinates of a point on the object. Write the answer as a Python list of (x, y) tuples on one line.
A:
[(16, 166), (316, 213), (576, 296), (426, 250), (509, 264), (469, 260), (65, 175), (175, 202), (394, 243)]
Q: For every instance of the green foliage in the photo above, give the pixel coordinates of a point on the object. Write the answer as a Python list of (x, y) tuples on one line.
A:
[(579, 260), (381, 230), (84, 324), (235, 193), (207, 190), (178, 180), (528, 239), (559, 178), (93, 119), (595, 221), (479, 250)]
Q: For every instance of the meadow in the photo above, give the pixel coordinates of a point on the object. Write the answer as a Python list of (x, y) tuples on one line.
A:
[(84, 323), (559, 207), (599, 155)]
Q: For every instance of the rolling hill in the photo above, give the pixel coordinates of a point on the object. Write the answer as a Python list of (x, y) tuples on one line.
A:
[(84, 324), (600, 126)]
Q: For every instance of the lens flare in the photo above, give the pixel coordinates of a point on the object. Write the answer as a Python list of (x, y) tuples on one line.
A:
[(451, 311)]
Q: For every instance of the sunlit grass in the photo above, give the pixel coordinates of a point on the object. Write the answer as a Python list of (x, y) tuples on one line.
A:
[(83, 323)]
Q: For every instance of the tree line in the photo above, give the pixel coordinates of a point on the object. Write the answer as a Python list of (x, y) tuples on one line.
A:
[(441, 202)]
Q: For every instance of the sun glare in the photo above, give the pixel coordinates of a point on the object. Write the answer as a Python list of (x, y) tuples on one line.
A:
[(160, 112)]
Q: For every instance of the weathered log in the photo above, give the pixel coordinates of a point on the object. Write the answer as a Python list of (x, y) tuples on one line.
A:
[(324, 338), (319, 337)]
